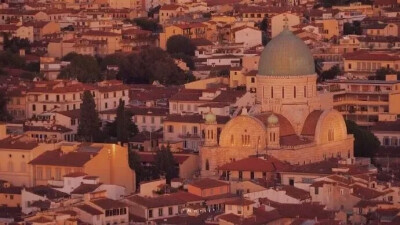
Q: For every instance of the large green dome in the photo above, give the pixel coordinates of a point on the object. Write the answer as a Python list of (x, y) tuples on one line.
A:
[(286, 55)]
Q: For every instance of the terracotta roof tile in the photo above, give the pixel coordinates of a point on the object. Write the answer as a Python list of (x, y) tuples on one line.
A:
[(85, 188), (106, 203), (270, 164), (89, 209), (311, 123), (19, 142), (208, 183), (179, 198), (58, 158)]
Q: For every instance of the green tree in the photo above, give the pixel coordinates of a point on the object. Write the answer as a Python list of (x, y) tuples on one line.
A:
[(366, 144), (332, 73), (147, 24), (70, 56), (381, 73), (89, 122), (122, 128), (180, 44), (4, 115), (136, 165), (84, 68), (165, 163), (8, 59), (263, 25), (348, 28), (126, 128), (186, 58), (149, 65), (15, 44)]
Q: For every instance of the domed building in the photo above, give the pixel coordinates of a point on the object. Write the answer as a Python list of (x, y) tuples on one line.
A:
[(291, 124)]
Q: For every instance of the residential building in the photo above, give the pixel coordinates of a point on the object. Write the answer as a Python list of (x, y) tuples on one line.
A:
[(53, 165), (365, 101)]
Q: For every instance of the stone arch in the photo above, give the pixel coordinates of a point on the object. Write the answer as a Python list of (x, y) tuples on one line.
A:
[(236, 127), (330, 127)]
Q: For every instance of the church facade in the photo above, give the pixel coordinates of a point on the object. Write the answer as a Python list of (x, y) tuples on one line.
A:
[(290, 124)]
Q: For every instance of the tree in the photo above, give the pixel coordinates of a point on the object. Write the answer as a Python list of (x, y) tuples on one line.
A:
[(15, 44), (165, 163), (89, 122), (149, 65), (186, 58), (84, 68), (136, 165), (381, 73), (263, 25), (122, 128), (366, 144), (4, 115), (124, 124), (8, 59), (180, 44), (348, 28), (332, 73), (147, 24)]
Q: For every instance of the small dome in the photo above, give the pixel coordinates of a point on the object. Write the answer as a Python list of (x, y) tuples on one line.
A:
[(286, 55), (210, 117), (272, 119)]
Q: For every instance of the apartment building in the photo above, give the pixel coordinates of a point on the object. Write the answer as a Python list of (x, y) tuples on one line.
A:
[(58, 95), (52, 166), (366, 63), (365, 101), (16, 152)]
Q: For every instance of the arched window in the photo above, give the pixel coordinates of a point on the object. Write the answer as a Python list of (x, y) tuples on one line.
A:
[(272, 92), (232, 140), (294, 92), (331, 135), (207, 166), (246, 140), (283, 92), (305, 91)]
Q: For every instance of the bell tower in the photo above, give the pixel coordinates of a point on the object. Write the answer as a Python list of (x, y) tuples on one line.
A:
[(210, 131)]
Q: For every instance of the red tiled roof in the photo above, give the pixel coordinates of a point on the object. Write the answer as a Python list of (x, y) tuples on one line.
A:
[(85, 188), (100, 33), (270, 164), (240, 201), (59, 158), (89, 209), (179, 198), (365, 193), (75, 114), (20, 142), (208, 183), (285, 127), (106, 203), (296, 193), (75, 174), (370, 56), (311, 123), (301, 211)]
